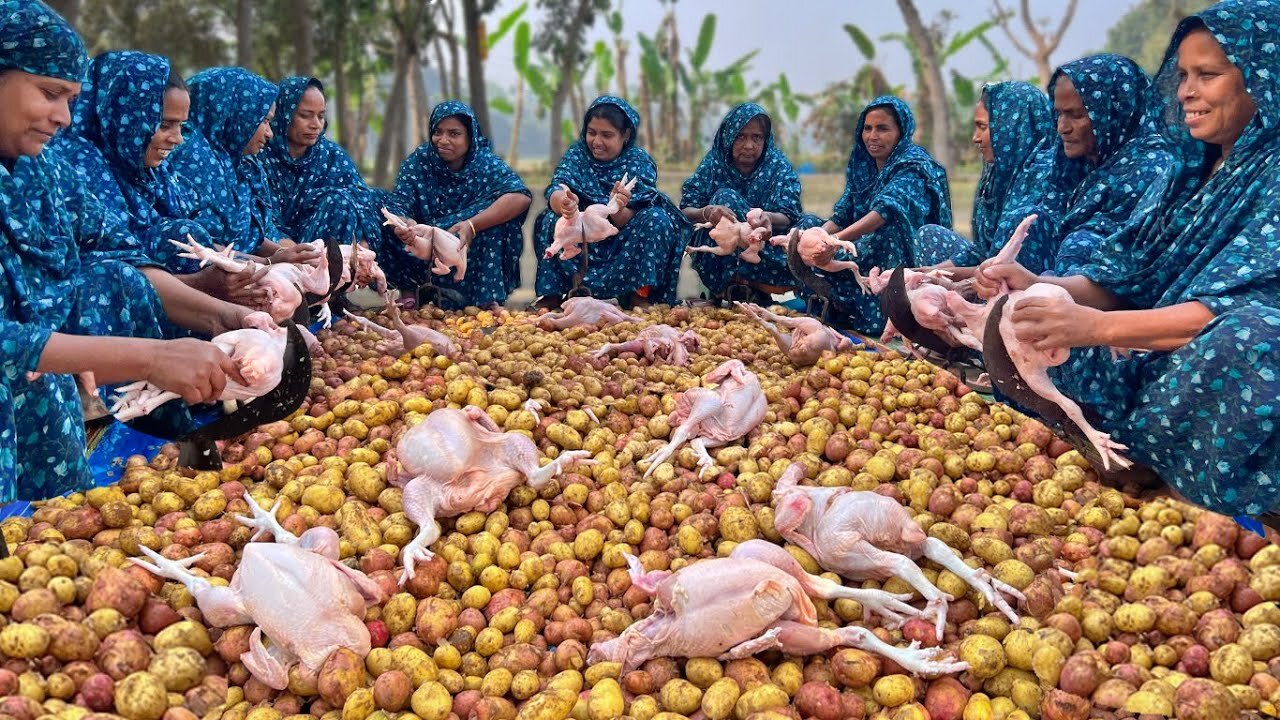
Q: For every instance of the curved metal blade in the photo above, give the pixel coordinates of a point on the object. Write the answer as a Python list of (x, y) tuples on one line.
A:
[(896, 305), (817, 284)]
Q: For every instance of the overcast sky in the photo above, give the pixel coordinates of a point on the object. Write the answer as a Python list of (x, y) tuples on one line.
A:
[(804, 38)]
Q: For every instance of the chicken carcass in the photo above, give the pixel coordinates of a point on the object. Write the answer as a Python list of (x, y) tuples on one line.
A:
[(586, 226), (404, 337), (728, 236), (579, 311), (1033, 365), (367, 271), (457, 461), (864, 535), (756, 599), (297, 593), (713, 416), (431, 244), (284, 283), (657, 342), (807, 341), (257, 350)]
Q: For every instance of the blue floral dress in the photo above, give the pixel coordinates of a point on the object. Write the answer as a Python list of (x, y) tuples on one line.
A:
[(1204, 416), (910, 191), (429, 192), (229, 189), (112, 124), (1020, 118), (62, 257), (1135, 162), (645, 253), (772, 185), (321, 194)]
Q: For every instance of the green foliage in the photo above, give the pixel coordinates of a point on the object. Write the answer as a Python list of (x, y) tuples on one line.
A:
[(865, 46), (504, 26), (604, 65), (1143, 32), (520, 44), (706, 36), (502, 105)]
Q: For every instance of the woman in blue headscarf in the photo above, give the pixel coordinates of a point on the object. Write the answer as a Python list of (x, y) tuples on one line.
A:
[(456, 182), (318, 190), (126, 122), (1196, 281), (892, 188), (231, 113), (63, 287), (1112, 163), (642, 262), (744, 169), (1014, 134)]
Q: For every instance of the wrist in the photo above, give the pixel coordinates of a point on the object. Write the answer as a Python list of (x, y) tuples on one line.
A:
[(1098, 330)]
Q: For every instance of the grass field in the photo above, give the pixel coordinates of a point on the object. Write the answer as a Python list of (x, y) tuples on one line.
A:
[(820, 192)]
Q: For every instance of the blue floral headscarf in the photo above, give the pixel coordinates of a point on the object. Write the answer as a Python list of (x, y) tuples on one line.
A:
[(772, 184), (1135, 162), (230, 189), (1020, 118), (35, 39), (426, 183), (867, 187), (1221, 246), (592, 180)]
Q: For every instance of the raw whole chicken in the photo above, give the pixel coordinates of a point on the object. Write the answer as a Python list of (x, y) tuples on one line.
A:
[(430, 244), (457, 461), (864, 535), (367, 271), (818, 248), (257, 350), (407, 338), (756, 599), (748, 236), (710, 417), (1033, 364), (579, 311), (284, 283), (657, 342), (305, 602), (586, 226), (809, 339)]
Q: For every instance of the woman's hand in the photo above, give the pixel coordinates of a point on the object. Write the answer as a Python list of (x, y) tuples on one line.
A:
[(712, 214), (297, 254), (1052, 323), (992, 276), (568, 203), (463, 231), (622, 193), (195, 369)]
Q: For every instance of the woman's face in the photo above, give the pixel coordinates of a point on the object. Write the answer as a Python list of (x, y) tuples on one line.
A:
[(1074, 126), (604, 141), (749, 145), (982, 133), (308, 120), (177, 105), (450, 140), (32, 109), (1215, 105), (880, 134), (263, 135)]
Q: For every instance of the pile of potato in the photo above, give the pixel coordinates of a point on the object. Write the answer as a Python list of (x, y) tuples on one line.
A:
[(1173, 613)]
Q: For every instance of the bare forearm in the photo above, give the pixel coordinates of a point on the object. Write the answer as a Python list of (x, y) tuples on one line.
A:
[(778, 221), (622, 217), (110, 359), (1166, 328), (695, 214), (504, 209), (192, 309), (865, 225)]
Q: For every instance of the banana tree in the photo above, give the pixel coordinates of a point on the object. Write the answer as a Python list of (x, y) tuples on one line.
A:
[(655, 78), (783, 106), (620, 48)]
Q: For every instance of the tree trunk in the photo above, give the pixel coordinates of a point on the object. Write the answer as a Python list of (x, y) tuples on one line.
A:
[(649, 140), (421, 106), (475, 64), (68, 9), (565, 81), (305, 51), (513, 149), (392, 124), (620, 61), (360, 146), (244, 33), (342, 91), (671, 119), (934, 89), (442, 68)]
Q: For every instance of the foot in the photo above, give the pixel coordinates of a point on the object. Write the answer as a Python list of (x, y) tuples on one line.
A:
[(892, 607), (264, 521), (176, 570), (936, 610), (994, 591), (913, 659), (532, 406), (415, 552), (1108, 449)]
